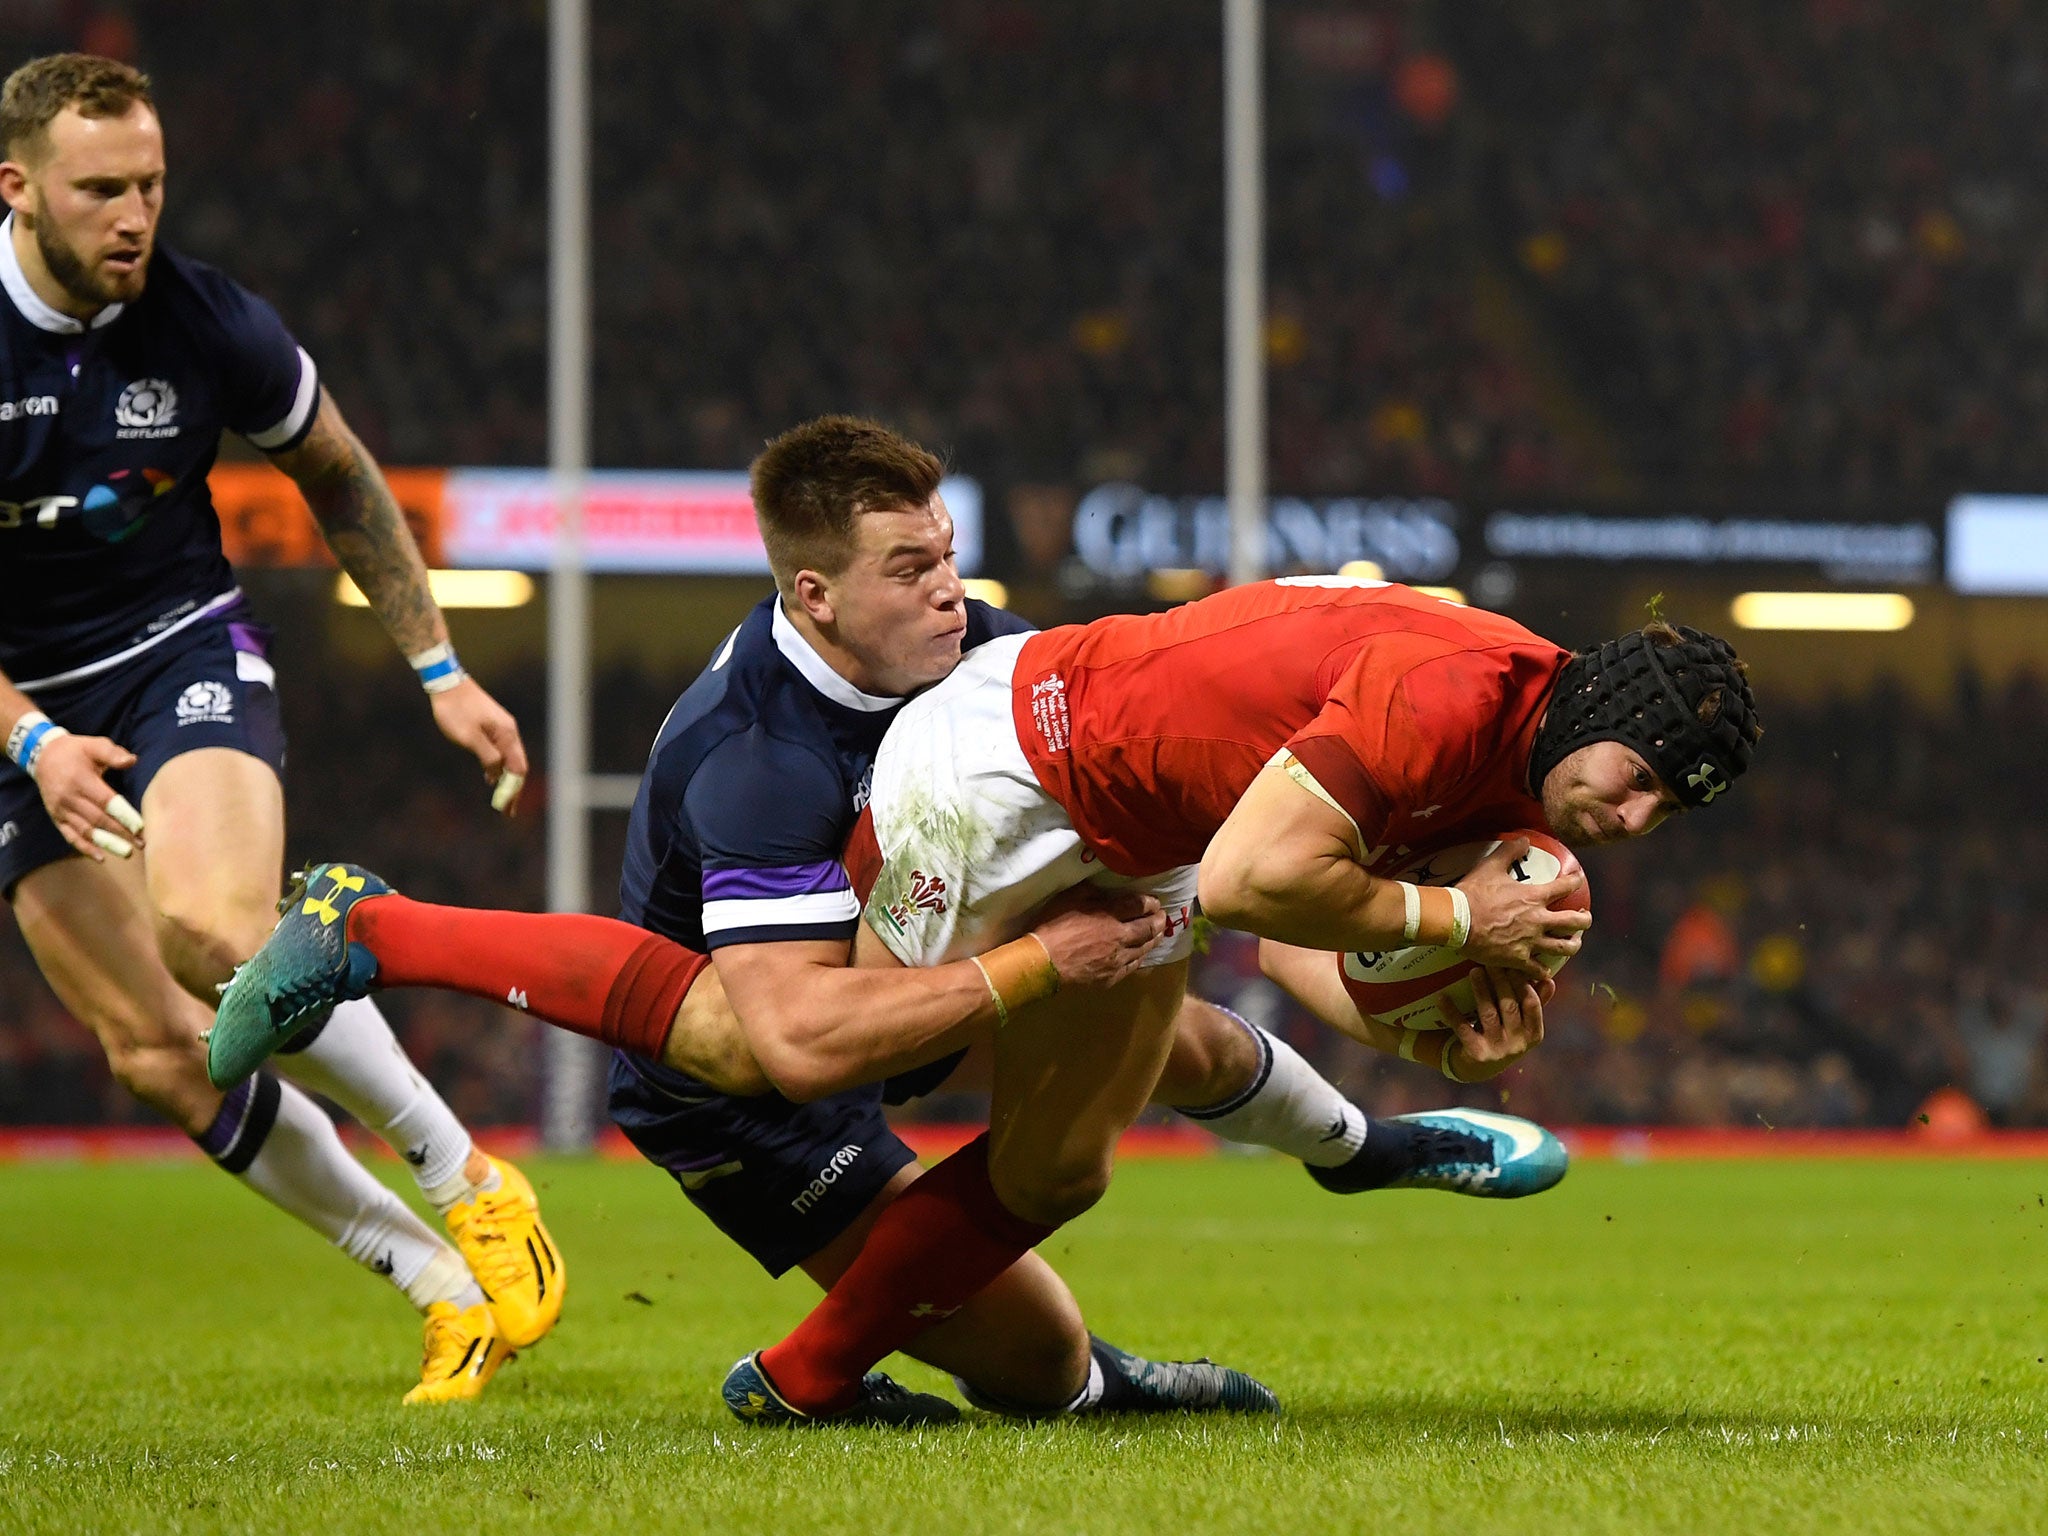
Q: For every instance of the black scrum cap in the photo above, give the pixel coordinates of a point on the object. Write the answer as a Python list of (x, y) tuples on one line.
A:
[(1648, 696)]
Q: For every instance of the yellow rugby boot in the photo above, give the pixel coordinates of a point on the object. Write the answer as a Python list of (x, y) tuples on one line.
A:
[(512, 1256), (461, 1353)]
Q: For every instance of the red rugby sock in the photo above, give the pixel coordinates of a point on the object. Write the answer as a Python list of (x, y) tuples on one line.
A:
[(595, 976), (927, 1255)]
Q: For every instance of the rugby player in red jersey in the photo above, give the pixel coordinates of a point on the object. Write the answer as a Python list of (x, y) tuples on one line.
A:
[(738, 948), (1277, 749)]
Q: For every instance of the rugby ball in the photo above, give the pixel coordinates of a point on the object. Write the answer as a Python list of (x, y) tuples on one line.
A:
[(1414, 988)]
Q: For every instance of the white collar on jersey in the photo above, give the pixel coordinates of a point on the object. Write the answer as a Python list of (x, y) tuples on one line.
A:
[(30, 303), (818, 672)]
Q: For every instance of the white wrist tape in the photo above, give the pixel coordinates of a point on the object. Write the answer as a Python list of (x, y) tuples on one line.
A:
[(1450, 1048), (1461, 919), (1411, 908), (32, 732), (437, 667)]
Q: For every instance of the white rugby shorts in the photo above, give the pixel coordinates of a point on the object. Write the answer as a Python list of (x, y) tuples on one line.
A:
[(971, 843)]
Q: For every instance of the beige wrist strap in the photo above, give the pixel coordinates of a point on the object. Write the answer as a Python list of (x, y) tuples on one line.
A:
[(1018, 973), (1436, 914)]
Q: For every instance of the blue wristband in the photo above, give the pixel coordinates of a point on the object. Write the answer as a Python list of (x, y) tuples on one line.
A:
[(438, 668), (31, 733)]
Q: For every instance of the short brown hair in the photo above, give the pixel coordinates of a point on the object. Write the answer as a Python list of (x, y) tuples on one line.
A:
[(41, 88), (810, 484)]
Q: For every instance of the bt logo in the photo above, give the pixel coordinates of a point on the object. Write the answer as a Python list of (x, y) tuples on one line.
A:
[(113, 511)]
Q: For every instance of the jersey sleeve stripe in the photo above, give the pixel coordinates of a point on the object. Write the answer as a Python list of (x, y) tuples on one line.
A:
[(791, 933), (288, 431), (781, 911), (791, 880), (1330, 773)]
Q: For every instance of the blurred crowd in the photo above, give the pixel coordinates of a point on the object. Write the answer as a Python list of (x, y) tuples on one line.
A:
[(1794, 245), (996, 225), (1778, 247), (1859, 926)]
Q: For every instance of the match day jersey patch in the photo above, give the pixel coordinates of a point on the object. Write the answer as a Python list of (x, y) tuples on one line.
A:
[(207, 703), (1049, 712), (147, 408)]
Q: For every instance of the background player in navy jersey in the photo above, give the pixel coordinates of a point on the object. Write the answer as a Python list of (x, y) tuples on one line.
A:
[(751, 790), (137, 708)]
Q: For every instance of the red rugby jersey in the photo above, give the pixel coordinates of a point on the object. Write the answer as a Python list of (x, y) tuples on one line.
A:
[(1417, 716)]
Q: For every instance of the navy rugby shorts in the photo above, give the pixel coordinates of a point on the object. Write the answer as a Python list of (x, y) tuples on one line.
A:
[(207, 686), (780, 1179)]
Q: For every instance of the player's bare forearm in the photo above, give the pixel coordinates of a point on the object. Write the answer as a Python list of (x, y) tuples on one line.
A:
[(1284, 866), (818, 1026), (363, 525), (1311, 978)]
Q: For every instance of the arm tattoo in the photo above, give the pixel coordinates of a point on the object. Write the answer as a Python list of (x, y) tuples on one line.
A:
[(362, 523)]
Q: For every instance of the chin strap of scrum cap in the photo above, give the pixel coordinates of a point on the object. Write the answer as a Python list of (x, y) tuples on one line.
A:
[(1648, 696)]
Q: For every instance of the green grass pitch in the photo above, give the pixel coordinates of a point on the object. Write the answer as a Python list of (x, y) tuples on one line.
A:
[(1825, 1346)]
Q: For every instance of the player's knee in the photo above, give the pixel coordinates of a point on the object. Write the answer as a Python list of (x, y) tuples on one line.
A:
[(1053, 1193), (1041, 1374), (1213, 1058), (167, 1075), (202, 935)]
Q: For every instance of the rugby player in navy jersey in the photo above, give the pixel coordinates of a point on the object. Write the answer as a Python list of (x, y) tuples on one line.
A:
[(752, 787), (141, 815)]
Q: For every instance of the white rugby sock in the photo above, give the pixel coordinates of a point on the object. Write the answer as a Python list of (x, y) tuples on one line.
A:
[(282, 1145), (1288, 1106), (355, 1060), (1087, 1396), (1091, 1389)]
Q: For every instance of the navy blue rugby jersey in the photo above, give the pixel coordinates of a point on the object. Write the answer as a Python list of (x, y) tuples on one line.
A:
[(108, 537), (752, 790)]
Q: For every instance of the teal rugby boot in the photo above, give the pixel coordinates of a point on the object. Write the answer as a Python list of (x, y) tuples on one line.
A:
[(1122, 1382), (304, 968), (1465, 1151), (752, 1397)]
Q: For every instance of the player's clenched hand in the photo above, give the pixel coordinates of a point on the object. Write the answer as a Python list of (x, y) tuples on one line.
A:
[(1096, 938), (480, 725), (1509, 1023), (69, 771), (1513, 927)]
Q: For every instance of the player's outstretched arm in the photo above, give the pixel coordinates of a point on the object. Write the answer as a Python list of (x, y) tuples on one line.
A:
[(1286, 864), (70, 772), (1509, 1023), (362, 523), (818, 1026)]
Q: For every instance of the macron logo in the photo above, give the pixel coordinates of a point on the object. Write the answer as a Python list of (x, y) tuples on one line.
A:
[(517, 998), (828, 1175), (28, 405)]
